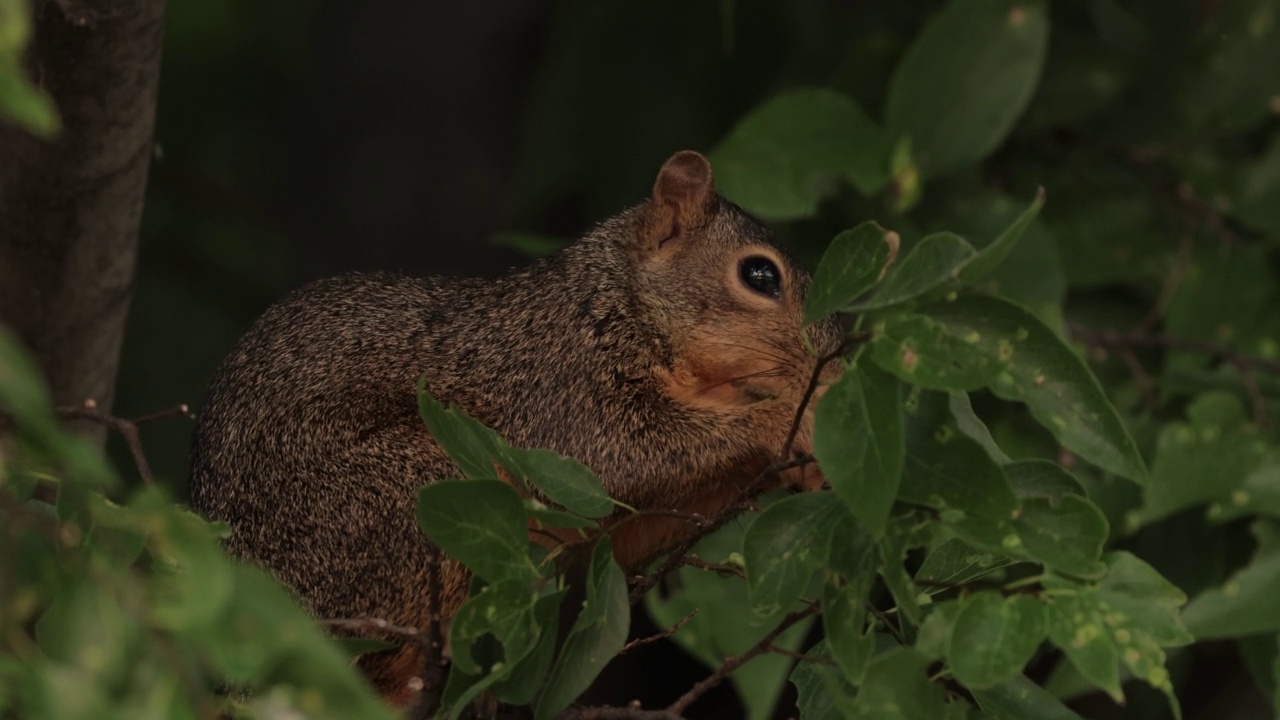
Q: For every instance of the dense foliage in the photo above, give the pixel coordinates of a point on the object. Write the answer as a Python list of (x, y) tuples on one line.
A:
[(1054, 453)]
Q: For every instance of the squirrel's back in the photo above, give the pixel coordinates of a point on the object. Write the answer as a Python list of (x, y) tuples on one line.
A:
[(666, 350)]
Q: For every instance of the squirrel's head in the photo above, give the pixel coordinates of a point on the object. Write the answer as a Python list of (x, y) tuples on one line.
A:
[(732, 303)]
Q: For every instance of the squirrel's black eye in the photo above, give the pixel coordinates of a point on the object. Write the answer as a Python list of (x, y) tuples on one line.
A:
[(762, 275)]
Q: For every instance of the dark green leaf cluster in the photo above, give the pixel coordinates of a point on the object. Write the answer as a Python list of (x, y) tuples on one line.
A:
[(131, 609)]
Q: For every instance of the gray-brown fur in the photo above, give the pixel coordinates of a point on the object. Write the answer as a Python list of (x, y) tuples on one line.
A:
[(310, 446)]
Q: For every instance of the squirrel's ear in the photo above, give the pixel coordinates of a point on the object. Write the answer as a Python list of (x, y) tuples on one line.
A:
[(683, 195)]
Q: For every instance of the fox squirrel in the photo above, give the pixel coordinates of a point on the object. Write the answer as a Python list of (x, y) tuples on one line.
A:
[(666, 350)]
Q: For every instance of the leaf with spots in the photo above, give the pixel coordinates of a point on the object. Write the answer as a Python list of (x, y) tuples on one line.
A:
[(956, 562), (946, 470), (853, 262), (933, 265), (928, 353), (1208, 458), (1246, 603), (896, 687), (1043, 372), (778, 161), (995, 636), (858, 441), (1129, 617)]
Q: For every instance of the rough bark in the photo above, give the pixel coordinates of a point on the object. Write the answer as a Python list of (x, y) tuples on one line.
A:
[(70, 207)]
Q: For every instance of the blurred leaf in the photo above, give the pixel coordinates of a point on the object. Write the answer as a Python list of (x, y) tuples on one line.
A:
[(1022, 699), (852, 263), (775, 160), (990, 257), (896, 687), (995, 636), (785, 545), (966, 79), (935, 262), (1043, 372), (1256, 200), (1245, 604), (1203, 460), (479, 523), (858, 441), (597, 635), (530, 244), (1225, 87), (20, 102)]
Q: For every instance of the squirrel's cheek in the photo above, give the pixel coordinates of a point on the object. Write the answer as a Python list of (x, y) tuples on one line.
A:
[(806, 478)]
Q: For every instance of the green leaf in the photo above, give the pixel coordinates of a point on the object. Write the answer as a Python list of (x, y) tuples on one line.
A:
[(956, 562), (893, 554), (733, 627), (934, 637), (928, 353), (934, 263), (1042, 479), (525, 678), (994, 637), (946, 470), (776, 160), (853, 262), (1247, 603), (564, 480), (966, 79), (476, 449), (1067, 537), (597, 635), (822, 693), (1043, 372), (972, 426), (897, 688), (1021, 699), (858, 441), (479, 523), (785, 545), (990, 257), (851, 574), (503, 610), (1128, 617)]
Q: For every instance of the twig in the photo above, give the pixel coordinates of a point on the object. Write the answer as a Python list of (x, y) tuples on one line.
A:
[(432, 642), (631, 712), (127, 429), (1246, 365), (694, 561), (734, 662), (1145, 384), (815, 379), (641, 642), (373, 624)]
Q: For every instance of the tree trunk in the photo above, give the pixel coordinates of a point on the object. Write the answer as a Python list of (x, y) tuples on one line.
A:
[(70, 207)]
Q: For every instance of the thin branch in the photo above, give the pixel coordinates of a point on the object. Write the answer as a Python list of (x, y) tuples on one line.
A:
[(734, 662), (127, 429), (641, 642), (814, 380), (632, 712), (432, 642), (1246, 365), (694, 561)]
